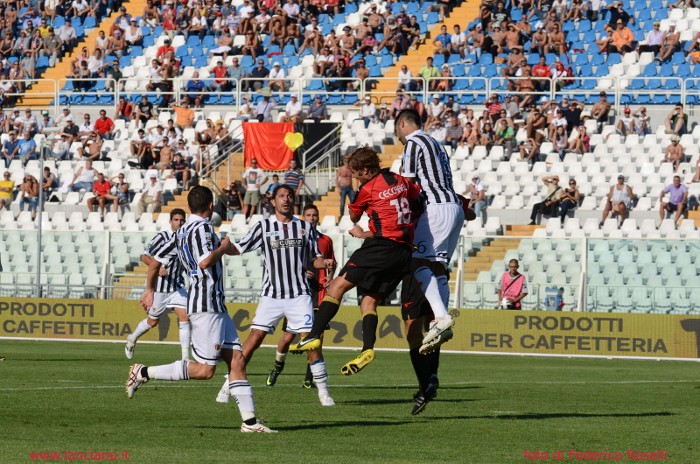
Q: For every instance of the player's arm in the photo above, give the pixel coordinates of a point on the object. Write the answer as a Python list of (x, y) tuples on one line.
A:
[(146, 299), (225, 248)]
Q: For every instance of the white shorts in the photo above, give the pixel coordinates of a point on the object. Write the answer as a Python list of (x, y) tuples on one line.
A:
[(163, 301), (212, 332), (299, 313), (437, 232)]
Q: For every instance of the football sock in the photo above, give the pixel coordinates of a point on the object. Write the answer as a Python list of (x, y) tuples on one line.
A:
[(185, 338), (241, 391), (420, 367), (432, 361), (369, 330), (326, 311), (173, 371), (318, 370), (141, 329), (429, 285), (309, 376), (444, 288), (280, 357)]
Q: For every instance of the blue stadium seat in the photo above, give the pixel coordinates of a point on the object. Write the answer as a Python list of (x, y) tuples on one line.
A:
[(458, 70), (438, 59), (486, 58), (387, 61), (454, 58), (350, 7), (678, 58), (192, 41), (432, 18), (89, 22), (683, 70), (339, 19)]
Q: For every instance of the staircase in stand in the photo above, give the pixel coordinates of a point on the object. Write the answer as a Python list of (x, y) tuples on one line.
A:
[(493, 250)]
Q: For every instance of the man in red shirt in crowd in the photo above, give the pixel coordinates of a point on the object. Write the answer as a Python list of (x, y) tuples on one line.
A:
[(378, 266), (494, 106), (125, 110), (104, 126), (164, 49), (102, 188), (541, 74)]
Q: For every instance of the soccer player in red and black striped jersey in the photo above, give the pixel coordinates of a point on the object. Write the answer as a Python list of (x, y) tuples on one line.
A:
[(384, 258)]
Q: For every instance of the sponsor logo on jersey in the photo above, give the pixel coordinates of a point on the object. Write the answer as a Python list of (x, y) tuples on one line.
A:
[(286, 243), (392, 191)]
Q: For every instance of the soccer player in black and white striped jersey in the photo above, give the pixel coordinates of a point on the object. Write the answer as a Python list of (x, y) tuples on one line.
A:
[(214, 337), (289, 247), (437, 230), (170, 288)]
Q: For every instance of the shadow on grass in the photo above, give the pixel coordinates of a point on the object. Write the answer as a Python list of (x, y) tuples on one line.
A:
[(318, 425), (402, 401), (582, 415)]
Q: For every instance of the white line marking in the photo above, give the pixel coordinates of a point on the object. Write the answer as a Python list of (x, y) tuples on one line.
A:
[(368, 386)]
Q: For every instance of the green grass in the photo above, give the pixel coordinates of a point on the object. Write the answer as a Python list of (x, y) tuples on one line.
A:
[(70, 396)]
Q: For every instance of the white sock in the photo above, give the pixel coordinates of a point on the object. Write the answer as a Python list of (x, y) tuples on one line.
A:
[(174, 371), (430, 287), (280, 357), (444, 287), (185, 338), (141, 329), (318, 370), (241, 391)]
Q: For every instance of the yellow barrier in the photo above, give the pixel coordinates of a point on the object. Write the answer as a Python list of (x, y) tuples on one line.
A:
[(491, 331)]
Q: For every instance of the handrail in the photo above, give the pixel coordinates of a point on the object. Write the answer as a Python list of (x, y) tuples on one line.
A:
[(221, 153)]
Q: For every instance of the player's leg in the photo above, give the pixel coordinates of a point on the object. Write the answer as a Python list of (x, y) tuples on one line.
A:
[(154, 314), (309, 378), (281, 355), (326, 312), (300, 314), (370, 321), (209, 338), (184, 330), (421, 364)]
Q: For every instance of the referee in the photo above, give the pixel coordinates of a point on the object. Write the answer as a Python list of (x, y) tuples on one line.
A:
[(437, 230)]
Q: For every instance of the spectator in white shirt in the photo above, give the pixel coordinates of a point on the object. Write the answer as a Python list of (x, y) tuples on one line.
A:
[(277, 76), (293, 110), (368, 111), (151, 195), (406, 79)]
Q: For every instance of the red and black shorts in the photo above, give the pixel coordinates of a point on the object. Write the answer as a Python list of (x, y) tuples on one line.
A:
[(413, 302), (378, 266)]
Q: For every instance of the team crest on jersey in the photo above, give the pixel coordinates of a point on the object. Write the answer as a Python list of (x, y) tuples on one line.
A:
[(217, 346)]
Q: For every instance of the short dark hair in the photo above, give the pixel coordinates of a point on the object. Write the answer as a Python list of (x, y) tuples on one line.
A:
[(409, 115), (308, 207), (283, 187), (177, 211), (199, 199)]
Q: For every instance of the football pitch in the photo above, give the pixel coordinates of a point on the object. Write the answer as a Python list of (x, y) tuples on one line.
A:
[(61, 398)]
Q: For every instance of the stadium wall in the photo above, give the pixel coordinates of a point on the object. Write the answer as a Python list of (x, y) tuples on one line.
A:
[(641, 336)]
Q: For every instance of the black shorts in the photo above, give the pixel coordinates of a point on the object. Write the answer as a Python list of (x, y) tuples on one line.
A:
[(672, 207), (413, 302), (378, 266)]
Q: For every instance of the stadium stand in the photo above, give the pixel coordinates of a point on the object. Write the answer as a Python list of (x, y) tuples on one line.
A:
[(468, 73)]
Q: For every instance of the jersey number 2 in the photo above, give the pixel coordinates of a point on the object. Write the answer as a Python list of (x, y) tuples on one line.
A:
[(403, 210)]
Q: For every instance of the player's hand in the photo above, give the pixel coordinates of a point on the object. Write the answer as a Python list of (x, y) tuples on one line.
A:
[(309, 275), (146, 300), (163, 271), (326, 281), (226, 244), (356, 231)]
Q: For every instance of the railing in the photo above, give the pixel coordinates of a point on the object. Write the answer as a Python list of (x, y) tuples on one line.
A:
[(683, 90), (100, 260)]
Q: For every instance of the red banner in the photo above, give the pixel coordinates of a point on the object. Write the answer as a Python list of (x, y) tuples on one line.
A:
[(265, 142)]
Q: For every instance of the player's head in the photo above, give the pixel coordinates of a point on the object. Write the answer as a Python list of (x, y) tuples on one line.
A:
[(201, 201), (177, 218), (363, 163), (310, 214), (283, 200), (407, 121)]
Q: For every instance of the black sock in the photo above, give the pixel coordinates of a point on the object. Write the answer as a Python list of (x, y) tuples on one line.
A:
[(250, 421), (144, 373), (326, 311), (370, 321), (279, 365), (420, 366), (309, 376), (432, 362)]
